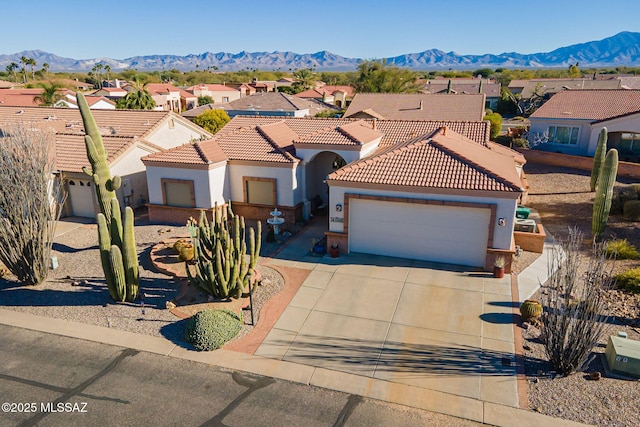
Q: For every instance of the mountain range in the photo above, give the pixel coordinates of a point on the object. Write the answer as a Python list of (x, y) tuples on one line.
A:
[(622, 49)]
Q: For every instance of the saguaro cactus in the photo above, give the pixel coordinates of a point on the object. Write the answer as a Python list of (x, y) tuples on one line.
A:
[(601, 152), (220, 255), (604, 192), (116, 239)]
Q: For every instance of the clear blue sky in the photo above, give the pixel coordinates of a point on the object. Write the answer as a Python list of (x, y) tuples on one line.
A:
[(368, 29)]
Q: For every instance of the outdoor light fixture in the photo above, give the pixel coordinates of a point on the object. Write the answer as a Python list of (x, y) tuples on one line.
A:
[(339, 207), (502, 222)]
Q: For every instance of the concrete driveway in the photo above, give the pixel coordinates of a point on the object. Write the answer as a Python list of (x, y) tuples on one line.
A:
[(434, 326)]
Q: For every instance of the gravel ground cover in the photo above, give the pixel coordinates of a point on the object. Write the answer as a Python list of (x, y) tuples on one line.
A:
[(562, 198), (76, 290)]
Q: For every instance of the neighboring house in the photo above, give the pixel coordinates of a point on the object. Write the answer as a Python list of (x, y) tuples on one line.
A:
[(128, 136), (219, 93), (4, 84), (405, 106), (570, 122), (188, 100), (27, 97), (259, 163), (113, 93), (340, 96), (549, 87), (167, 96), (95, 102), (264, 104), (490, 89)]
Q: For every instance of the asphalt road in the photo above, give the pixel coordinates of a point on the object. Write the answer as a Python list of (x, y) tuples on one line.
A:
[(49, 380)]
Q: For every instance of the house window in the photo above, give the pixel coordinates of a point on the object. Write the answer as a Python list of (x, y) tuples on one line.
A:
[(563, 135), (629, 143), (260, 191), (225, 99), (178, 192)]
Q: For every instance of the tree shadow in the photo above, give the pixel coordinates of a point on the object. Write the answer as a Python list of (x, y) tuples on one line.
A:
[(500, 318), (62, 248)]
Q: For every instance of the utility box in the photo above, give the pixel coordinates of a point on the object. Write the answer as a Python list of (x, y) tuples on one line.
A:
[(522, 212), (623, 356), (526, 225)]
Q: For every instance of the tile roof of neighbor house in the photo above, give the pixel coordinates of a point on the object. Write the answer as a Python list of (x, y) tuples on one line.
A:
[(549, 86), (71, 154), (405, 106), (439, 86), (629, 82), (328, 89), (442, 160), (110, 122), (590, 104), (393, 131), (91, 100), (272, 139), (262, 103), (160, 88)]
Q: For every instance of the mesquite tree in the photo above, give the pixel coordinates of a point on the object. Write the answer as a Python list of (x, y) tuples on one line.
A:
[(30, 201), (575, 304)]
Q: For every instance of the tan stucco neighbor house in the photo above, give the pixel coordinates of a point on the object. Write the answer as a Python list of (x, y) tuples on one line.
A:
[(443, 178)]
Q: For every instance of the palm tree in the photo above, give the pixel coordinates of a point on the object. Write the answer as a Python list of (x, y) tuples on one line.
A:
[(25, 62), (45, 68), (304, 79), (107, 70), (32, 63), (50, 94), (11, 69), (138, 99), (99, 67)]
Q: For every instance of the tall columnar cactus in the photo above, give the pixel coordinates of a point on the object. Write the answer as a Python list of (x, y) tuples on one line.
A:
[(604, 192), (220, 255), (601, 152), (116, 239)]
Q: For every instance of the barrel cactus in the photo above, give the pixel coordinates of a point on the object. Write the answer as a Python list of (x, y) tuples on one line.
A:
[(115, 236), (604, 193), (530, 310)]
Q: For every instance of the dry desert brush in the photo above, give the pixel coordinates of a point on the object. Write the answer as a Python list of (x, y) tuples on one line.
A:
[(30, 201), (575, 304)]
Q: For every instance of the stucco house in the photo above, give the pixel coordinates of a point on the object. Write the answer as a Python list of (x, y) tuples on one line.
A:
[(570, 122), (490, 88), (128, 136), (301, 164), (219, 93), (338, 95), (417, 106)]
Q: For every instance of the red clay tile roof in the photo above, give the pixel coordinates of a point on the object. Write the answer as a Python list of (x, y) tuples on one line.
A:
[(590, 104), (212, 87), (196, 153), (271, 139), (405, 106), (499, 148), (444, 160), (71, 154), (160, 88)]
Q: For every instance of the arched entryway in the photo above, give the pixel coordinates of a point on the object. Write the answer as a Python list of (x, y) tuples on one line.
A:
[(317, 170)]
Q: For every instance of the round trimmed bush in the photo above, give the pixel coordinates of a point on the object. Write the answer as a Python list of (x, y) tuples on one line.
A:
[(629, 280), (211, 329), (621, 249)]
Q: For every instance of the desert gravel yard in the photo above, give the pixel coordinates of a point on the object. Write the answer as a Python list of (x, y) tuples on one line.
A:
[(562, 198)]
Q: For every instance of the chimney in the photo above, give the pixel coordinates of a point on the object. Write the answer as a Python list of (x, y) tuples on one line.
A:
[(444, 131), (373, 126), (421, 104)]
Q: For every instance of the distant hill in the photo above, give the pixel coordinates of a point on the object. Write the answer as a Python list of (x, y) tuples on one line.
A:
[(623, 49)]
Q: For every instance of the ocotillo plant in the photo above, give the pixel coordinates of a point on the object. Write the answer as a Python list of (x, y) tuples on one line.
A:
[(601, 151), (117, 241), (220, 256), (604, 193)]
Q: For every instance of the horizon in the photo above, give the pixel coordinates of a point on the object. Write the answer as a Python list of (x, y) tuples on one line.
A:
[(356, 29)]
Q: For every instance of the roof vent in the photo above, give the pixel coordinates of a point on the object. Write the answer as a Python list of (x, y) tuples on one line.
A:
[(20, 112), (51, 117)]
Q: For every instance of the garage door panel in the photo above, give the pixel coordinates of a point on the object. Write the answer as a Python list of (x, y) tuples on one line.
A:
[(449, 234)]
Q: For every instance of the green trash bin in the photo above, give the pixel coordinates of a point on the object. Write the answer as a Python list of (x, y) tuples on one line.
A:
[(522, 212)]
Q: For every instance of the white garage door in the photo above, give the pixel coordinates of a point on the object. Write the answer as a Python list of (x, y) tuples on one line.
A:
[(81, 196), (456, 235)]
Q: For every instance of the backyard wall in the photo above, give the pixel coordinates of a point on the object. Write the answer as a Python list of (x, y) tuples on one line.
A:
[(626, 169)]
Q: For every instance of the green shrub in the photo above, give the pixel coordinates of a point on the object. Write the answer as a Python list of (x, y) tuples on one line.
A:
[(631, 210), (629, 280), (211, 329), (495, 120), (621, 249), (520, 143)]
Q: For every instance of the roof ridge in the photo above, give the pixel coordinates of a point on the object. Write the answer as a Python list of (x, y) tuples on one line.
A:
[(475, 165)]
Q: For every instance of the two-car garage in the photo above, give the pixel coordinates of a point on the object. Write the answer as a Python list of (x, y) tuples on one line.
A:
[(450, 233)]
